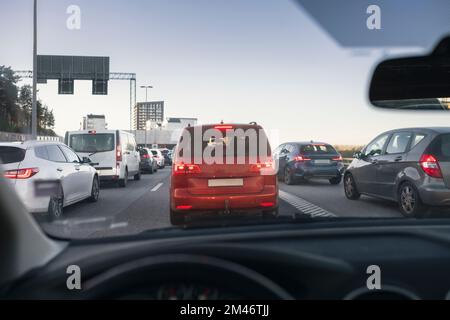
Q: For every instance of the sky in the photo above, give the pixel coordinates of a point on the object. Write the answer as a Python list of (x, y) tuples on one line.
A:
[(237, 60)]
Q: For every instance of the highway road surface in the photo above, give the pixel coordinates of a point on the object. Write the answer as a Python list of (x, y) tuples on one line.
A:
[(144, 205)]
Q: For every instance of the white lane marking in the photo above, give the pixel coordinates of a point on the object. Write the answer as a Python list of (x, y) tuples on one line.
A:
[(304, 206), (155, 188), (80, 221), (118, 225)]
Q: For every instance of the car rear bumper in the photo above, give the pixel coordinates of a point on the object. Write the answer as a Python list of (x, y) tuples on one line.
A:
[(145, 165), (435, 195), (232, 203), (33, 204), (306, 172)]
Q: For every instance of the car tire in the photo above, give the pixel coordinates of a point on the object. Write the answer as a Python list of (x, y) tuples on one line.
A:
[(409, 201), (123, 182), (176, 218), (56, 205), (95, 190), (288, 178), (335, 180), (137, 176), (351, 191)]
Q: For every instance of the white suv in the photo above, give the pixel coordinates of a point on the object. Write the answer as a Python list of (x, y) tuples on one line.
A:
[(159, 157), (115, 153), (48, 176)]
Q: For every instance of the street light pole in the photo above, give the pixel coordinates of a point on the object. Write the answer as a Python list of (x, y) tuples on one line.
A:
[(146, 88), (146, 100), (34, 101)]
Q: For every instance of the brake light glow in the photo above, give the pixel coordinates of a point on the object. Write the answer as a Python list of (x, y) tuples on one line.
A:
[(267, 204), (430, 166), (184, 207), (119, 153), (146, 156), (257, 167), (21, 173), (182, 168), (223, 127), (338, 158), (301, 158)]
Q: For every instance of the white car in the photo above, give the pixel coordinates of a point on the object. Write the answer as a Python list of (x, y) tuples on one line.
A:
[(157, 154), (31, 165), (115, 153)]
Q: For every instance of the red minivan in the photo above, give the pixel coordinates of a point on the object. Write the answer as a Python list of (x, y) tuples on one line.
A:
[(222, 169)]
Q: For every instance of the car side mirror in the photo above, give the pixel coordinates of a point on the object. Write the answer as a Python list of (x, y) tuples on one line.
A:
[(86, 160), (358, 155)]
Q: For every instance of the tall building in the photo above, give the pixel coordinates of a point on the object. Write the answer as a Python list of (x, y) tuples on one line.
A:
[(144, 111)]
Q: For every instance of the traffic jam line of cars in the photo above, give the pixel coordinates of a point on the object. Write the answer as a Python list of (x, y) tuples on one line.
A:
[(49, 176), (408, 166)]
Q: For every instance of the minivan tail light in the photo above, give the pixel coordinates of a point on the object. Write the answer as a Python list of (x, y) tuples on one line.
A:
[(301, 158), (257, 167), (21, 173), (118, 153), (430, 166), (179, 169)]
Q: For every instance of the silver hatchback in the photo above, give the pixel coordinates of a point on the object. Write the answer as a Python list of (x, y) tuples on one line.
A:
[(410, 166)]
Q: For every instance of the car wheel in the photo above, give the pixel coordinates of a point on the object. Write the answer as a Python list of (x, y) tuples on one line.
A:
[(123, 182), (336, 180), (409, 201), (95, 192), (351, 192), (56, 205), (176, 218), (288, 178), (137, 176)]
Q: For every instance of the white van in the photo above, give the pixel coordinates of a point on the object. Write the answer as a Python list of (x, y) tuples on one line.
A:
[(114, 153)]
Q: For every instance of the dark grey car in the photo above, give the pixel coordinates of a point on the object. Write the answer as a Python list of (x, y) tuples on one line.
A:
[(301, 161), (409, 166)]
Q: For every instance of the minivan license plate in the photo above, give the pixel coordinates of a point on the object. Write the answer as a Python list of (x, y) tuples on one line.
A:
[(225, 182)]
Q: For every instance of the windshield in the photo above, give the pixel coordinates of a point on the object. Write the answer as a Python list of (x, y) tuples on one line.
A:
[(91, 142), (196, 112)]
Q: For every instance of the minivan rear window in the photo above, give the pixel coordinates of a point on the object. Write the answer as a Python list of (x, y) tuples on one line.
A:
[(11, 154), (317, 149), (247, 142), (101, 142)]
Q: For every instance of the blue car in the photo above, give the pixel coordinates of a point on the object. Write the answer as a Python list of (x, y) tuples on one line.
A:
[(300, 161)]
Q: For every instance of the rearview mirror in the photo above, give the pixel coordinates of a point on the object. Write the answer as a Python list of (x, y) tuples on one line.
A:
[(414, 83)]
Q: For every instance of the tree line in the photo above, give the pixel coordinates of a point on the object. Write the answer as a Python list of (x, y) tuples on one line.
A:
[(15, 107)]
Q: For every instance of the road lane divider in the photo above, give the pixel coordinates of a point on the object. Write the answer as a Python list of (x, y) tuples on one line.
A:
[(155, 188), (304, 206)]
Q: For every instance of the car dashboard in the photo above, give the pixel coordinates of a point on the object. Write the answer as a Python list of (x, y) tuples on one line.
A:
[(326, 260)]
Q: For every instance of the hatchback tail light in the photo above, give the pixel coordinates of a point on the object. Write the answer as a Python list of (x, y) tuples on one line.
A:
[(180, 169), (301, 158), (146, 156), (430, 166), (21, 173), (338, 158)]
